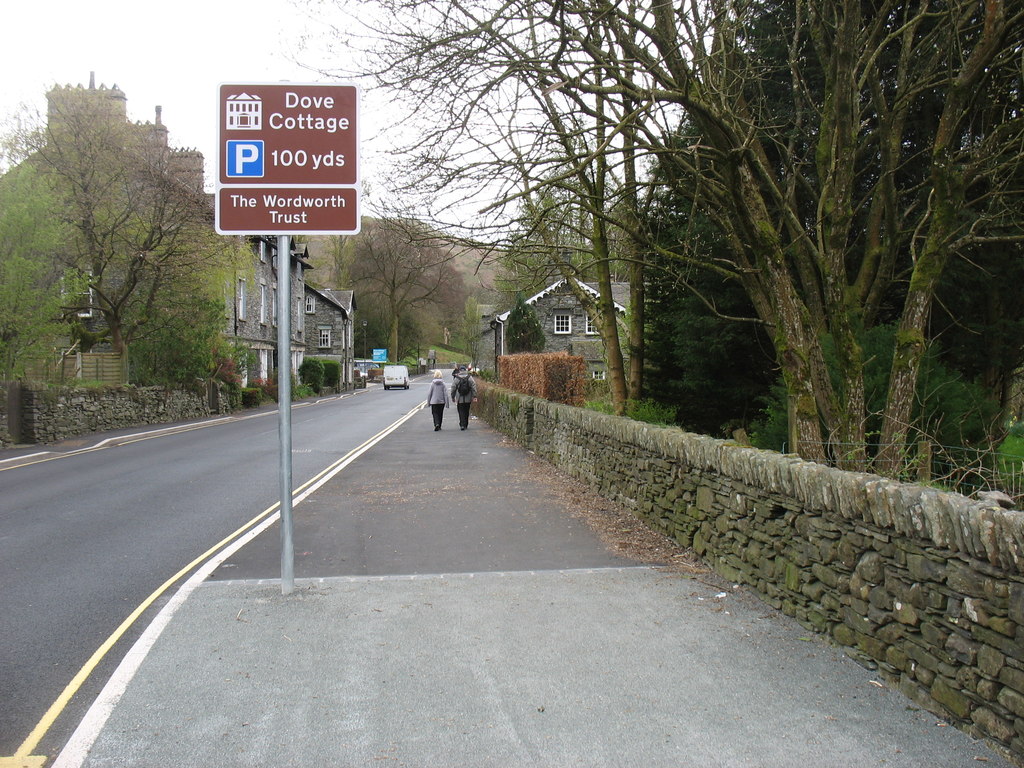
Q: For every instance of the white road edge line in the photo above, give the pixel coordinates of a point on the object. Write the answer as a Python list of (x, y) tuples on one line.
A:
[(77, 748), (25, 456), (174, 429)]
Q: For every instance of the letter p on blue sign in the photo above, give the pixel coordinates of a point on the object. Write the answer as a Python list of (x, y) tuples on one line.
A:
[(245, 159)]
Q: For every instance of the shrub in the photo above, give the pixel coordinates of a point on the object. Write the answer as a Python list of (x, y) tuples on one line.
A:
[(558, 376), (601, 406), (268, 388), (1010, 458), (652, 412), (332, 374), (233, 391), (311, 374), (252, 397)]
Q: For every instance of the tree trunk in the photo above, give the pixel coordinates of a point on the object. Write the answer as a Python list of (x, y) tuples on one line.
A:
[(610, 331), (947, 189), (393, 339), (636, 330), (637, 299), (907, 353)]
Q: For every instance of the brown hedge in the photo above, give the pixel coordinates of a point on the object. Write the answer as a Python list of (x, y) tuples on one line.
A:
[(556, 376)]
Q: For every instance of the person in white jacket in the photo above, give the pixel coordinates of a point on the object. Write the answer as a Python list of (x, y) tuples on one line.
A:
[(437, 399)]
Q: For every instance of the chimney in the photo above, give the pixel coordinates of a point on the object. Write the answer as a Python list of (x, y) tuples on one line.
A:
[(92, 81), (159, 115)]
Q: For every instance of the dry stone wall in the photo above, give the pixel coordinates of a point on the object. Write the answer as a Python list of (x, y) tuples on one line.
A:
[(925, 586), (5, 429), (49, 415)]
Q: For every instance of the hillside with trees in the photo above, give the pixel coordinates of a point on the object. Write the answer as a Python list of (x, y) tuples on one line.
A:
[(415, 288)]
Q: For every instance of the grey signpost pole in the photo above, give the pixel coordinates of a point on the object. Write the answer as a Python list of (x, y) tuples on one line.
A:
[(287, 164), (284, 409)]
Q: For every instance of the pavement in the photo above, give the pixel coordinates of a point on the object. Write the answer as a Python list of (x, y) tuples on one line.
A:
[(451, 611)]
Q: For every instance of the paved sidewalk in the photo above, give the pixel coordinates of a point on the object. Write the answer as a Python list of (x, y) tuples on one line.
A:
[(599, 662)]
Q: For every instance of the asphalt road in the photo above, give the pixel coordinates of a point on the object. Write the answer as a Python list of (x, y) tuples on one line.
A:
[(449, 611), (90, 529)]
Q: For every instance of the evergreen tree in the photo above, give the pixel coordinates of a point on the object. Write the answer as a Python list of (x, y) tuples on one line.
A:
[(523, 331)]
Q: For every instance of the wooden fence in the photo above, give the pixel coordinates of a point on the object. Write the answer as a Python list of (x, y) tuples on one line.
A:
[(103, 367)]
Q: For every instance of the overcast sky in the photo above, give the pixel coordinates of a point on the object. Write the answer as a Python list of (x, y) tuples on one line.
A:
[(173, 57)]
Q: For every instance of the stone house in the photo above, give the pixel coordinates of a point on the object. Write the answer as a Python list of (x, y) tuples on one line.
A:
[(252, 309), (565, 323), (329, 328)]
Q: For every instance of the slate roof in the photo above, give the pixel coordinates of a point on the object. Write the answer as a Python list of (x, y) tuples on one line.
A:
[(620, 295)]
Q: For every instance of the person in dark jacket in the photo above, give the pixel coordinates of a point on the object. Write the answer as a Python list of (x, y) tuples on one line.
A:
[(463, 394), (437, 399)]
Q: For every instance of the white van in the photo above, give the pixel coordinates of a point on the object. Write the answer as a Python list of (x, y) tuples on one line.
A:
[(396, 376)]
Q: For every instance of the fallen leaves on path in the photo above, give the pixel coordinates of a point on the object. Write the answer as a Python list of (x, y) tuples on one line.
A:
[(623, 533)]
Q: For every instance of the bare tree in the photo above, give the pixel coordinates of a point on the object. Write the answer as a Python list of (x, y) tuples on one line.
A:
[(398, 267), (845, 152), (142, 227)]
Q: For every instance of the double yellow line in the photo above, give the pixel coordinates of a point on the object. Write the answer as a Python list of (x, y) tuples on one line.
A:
[(23, 757)]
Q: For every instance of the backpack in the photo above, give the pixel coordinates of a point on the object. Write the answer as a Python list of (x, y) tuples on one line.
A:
[(463, 387)]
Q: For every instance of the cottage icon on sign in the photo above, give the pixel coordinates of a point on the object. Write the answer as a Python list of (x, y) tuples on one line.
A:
[(244, 112)]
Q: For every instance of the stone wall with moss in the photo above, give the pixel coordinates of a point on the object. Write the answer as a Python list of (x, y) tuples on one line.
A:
[(5, 396), (48, 415), (925, 586)]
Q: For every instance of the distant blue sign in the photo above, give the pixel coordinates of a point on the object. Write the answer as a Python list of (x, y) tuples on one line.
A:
[(380, 355)]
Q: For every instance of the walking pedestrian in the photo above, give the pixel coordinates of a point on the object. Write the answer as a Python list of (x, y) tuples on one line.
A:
[(437, 399), (463, 394)]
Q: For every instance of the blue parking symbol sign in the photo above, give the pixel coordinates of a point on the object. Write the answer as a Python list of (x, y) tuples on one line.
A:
[(245, 159)]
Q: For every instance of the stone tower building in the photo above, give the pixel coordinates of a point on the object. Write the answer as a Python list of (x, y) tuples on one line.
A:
[(68, 103)]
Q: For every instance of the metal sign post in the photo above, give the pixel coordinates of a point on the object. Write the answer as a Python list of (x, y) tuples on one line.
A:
[(287, 164), (284, 409)]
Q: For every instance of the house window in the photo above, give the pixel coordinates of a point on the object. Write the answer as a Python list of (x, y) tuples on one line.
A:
[(262, 244), (325, 338), (591, 328), (263, 304), (300, 317), (563, 322), (310, 305), (273, 300), (241, 299), (88, 299), (598, 375)]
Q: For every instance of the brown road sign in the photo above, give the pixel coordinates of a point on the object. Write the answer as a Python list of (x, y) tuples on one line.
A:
[(288, 159), (287, 210)]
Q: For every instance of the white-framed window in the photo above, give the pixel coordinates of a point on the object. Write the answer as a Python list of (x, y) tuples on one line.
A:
[(598, 375), (263, 303), (273, 304), (300, 318), (591, 328), (310, 305), (325, 338), (563, 322), (262, 246), (89, 296), (241, 299)]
